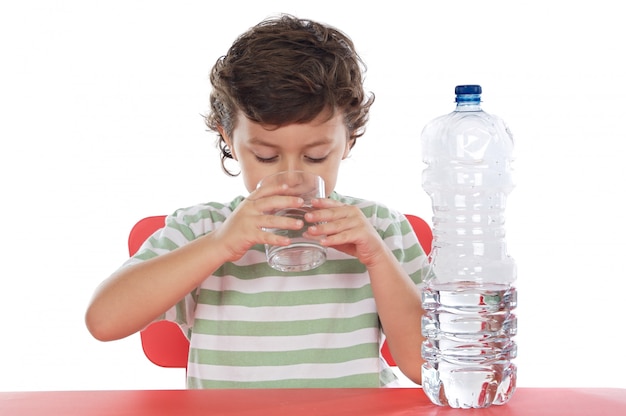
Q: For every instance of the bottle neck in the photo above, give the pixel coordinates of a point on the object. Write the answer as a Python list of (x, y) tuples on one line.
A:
[(468, 102), (468, 106)]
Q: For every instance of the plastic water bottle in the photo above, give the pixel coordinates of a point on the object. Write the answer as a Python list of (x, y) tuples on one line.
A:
[(468, 294)]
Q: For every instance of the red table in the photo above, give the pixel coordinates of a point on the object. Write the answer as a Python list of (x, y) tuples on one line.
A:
[(302, 402)]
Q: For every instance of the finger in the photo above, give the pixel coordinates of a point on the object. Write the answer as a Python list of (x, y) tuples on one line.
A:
[(275, 239), (267, 190), (334, 227), (325, 203), (281, 222), (277, 203), (276, 228), (332, 212)]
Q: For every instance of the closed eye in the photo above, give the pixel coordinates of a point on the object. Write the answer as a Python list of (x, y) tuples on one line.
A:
[(316, 159), (266, 159)]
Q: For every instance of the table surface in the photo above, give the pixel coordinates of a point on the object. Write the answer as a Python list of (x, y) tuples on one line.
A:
[(302, 402)]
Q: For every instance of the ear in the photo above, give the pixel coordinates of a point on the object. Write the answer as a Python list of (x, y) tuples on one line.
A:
[(228, 140), (349, 144)]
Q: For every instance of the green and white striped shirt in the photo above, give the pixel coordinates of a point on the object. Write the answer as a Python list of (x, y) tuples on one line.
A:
[(252, 326)]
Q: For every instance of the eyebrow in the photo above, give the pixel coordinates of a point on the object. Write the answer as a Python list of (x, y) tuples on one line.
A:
[(260, 142)]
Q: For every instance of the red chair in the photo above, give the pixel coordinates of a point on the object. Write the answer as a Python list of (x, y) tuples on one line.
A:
[(164, 343)]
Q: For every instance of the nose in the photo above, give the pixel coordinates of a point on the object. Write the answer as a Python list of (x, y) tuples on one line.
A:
[(292, 164)]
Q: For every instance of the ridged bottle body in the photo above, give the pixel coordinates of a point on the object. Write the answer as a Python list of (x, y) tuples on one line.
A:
[(468, 294)]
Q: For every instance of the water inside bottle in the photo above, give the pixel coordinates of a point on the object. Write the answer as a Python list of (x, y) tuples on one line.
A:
[(468, 329)]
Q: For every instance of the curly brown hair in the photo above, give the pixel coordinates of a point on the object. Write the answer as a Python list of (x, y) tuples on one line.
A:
[(287, 70)]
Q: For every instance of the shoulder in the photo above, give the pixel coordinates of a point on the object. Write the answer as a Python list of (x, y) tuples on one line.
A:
[(202, 217)]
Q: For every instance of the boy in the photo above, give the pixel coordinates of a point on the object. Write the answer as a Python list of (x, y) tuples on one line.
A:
[(288, 95)]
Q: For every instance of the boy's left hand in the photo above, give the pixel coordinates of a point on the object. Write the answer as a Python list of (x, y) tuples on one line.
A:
[(346, 229)]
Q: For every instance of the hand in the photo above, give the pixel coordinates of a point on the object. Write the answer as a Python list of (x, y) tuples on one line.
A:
[(246, 226), (346, 229)]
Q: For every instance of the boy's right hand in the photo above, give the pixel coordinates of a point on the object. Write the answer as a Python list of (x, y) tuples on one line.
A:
[(248, 223)]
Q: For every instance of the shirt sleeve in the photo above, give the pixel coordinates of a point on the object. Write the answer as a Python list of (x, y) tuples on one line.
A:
[(398, 234), (181, 227)]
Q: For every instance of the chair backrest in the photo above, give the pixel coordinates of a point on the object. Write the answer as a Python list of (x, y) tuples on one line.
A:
[(165, 344)]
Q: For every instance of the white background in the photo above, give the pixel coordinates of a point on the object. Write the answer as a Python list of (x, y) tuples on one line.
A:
[(100, 125)]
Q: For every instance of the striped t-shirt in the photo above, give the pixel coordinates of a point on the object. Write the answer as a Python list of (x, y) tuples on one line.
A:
[(251, 326)]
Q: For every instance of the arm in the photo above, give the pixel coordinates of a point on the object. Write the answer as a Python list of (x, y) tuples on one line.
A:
[(400, 310), (396, 295), (134, 296)]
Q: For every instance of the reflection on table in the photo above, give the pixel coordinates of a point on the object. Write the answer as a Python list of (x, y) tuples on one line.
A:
[(302, 402)]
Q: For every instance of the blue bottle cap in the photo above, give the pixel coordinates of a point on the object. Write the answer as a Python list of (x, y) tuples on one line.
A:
[(468, 89)]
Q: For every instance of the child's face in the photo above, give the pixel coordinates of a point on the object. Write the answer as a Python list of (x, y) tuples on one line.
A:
[(317, 147)]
